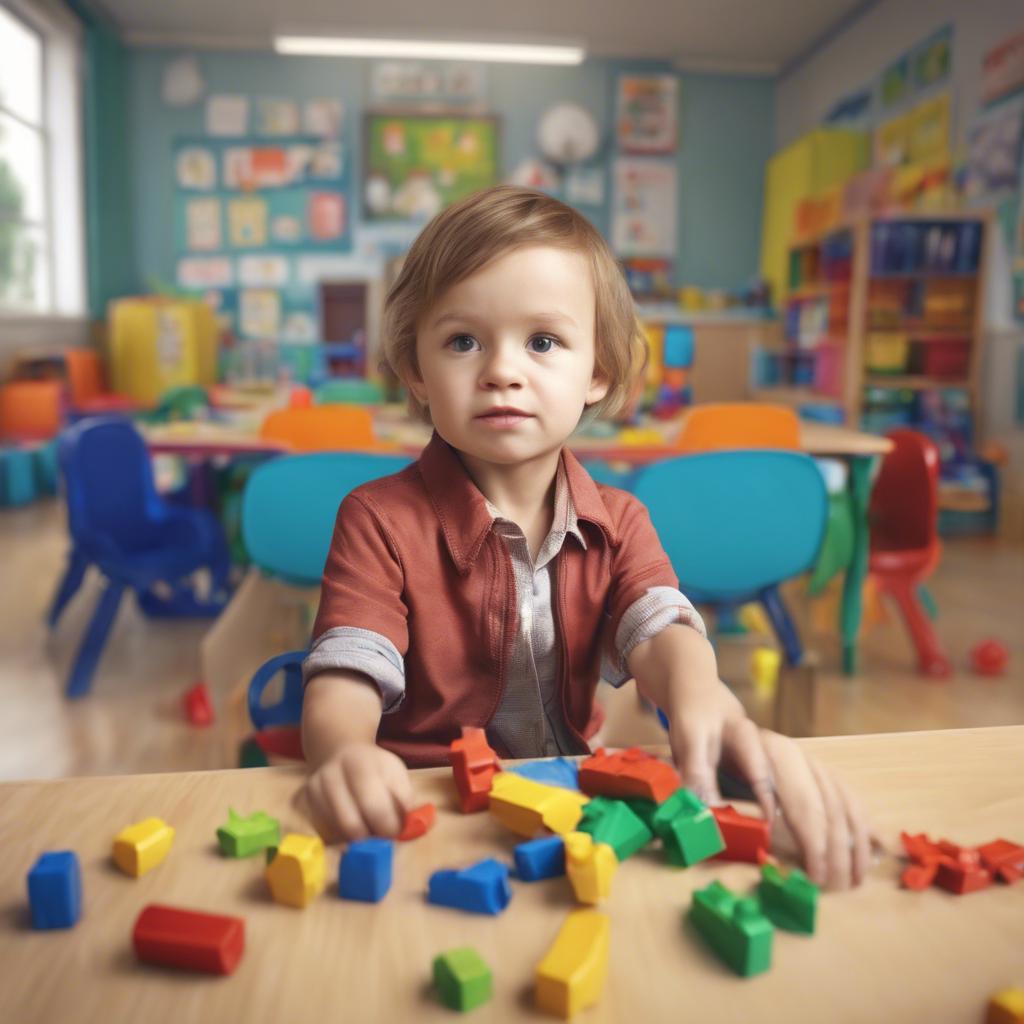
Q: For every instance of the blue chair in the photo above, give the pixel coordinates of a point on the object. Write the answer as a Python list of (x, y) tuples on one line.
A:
[(736, 524), (119, 524), (288, 512)]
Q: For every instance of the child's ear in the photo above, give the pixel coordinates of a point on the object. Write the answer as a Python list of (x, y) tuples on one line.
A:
[(599, 387), (413, 380)]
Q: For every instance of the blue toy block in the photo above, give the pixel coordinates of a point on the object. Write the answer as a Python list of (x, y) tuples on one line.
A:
[(55, 890), (557, 771), (678, 347), (482, 888), (365, 870), (540, 858)]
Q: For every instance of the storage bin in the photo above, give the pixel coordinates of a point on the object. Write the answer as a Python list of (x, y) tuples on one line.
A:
[(887, 353), (948, 360)]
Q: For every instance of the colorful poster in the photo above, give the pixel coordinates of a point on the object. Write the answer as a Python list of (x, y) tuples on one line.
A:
[(196, 168), (932, 59), (644, 210), (268, 271), (994, 155), (896, 81), (247, 222), (646, 118), (227, 115), (584, 186), (259, 312), (326, 215), (202, 225), (323, 117), (929, 131), (199, 273), (278, 117), (1002, 71)]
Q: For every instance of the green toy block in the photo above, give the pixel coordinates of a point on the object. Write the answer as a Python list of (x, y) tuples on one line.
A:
[(789, 901), (251, 755), (644, 809), (462, 979), (242, 837), (615, 823), (271, 853), (688, 830), (735, 929)]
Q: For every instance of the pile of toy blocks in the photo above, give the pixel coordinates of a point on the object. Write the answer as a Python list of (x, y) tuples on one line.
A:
[(960, 869)]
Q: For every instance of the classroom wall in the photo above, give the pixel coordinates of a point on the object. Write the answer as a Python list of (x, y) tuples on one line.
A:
[(725, 139)]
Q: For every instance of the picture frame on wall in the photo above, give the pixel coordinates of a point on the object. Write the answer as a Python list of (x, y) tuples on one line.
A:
[(646, 115)]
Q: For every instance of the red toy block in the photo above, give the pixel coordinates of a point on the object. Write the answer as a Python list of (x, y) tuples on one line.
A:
[(990, 658), (474, 765), (1003, 859), (198, 706), (628, 773), (189, 939), (962, 874), (746, 838), (418, 822), (919, 876)]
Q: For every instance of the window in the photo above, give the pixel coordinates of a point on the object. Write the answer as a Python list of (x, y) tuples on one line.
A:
[(40, 161)]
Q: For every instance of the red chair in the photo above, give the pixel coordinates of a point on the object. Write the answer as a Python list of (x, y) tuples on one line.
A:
[(905, 546)]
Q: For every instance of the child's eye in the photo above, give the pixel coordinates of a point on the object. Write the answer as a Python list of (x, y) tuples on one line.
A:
[(462, 343), (543, 343)]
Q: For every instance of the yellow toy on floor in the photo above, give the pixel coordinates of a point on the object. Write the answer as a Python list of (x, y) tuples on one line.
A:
[(572, 973), (297, 873), (140, 847)]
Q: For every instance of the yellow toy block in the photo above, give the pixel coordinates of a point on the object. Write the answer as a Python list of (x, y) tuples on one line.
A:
[(590, 866), (297, 872), (140, 847), (572, 973), (764, 669), (753, 619), (1006, 1007), (526, 806)]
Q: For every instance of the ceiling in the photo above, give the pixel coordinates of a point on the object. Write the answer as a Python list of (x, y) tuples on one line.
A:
[(732, 36)]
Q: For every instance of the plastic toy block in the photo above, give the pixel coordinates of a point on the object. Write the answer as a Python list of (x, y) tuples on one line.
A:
[(735, 929), (198, 706), (55, 890), (242, 837), (525, 806), (688, 830), (555, 771), (474, 765), (540, 858), (418, 822), (189, 939), (990, 658), (627, 773), (463, 981), (572, 973), (590, 866), (1003, 859), (251, 755), (765, 663), (962, 874), (744, 836), (140, 847), (789, 901), (297, 873), (615, 823), (1006, 1007), (645, 810), (365, 870), (482, 888)]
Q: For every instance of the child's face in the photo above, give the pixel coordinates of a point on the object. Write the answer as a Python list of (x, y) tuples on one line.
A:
[(517, 335)]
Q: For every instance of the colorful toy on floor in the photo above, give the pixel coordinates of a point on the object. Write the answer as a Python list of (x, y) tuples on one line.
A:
[(364, 872), (590, 866), (733, 928), (296, 874), (198, 705), (474, 765), (572, 974), (55, 890), (418, 822), (789, 901), (243, 837), (687, 829), (765, 663), (1003, 859), (745, 837), (959, 869), (540, 858), (189, 939), (462, 979), (1006, 1007), (526, 807), (614, 822), (628, 773), (140, 847), (989, 658), (482, 888)]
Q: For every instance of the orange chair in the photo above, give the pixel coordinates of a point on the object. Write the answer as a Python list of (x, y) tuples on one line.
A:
[(31, 410), (728, 425), (85, 376), (324, 428)]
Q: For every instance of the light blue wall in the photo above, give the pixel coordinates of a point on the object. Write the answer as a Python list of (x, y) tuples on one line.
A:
[(725, 126)]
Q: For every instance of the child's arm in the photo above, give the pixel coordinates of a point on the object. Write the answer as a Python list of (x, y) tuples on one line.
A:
[(676, 669), (354, 788)]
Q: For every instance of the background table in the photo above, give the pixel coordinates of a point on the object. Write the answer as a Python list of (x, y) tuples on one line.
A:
[(881, 954)]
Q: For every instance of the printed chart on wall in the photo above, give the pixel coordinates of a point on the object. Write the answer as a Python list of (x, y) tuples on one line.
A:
[(248, 212), (417, 164)]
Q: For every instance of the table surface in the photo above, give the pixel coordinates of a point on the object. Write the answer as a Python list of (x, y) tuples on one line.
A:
[(881, 953)]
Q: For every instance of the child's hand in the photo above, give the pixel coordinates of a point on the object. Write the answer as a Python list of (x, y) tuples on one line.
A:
[(361, 790)]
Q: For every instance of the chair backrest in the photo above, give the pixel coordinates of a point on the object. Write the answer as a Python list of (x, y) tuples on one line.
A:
[(904, 509), (356, 390), (721, 426), (735, 522), (290, 505), (322, 428), (108, 481), (85, 375)]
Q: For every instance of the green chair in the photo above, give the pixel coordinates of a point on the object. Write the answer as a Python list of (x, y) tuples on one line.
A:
[(349, 389)]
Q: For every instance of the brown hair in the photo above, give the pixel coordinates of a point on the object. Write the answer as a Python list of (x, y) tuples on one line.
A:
[(462, 239)]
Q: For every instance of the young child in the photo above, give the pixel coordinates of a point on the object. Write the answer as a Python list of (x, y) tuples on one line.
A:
[(490, 582)]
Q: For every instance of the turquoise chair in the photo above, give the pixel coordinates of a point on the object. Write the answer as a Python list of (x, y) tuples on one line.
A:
[(288, 512), (355, 390), (736, 524)]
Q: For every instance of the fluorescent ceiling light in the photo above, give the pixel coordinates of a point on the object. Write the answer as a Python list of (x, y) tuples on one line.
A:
[(336, 46)]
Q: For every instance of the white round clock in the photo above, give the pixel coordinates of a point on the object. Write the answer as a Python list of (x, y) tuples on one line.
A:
[(567, 134)]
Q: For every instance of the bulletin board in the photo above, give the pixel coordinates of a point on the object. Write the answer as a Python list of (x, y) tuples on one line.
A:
[(248, 212), (417, 164)]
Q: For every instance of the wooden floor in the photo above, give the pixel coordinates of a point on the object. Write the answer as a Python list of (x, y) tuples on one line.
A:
[(131, 722)]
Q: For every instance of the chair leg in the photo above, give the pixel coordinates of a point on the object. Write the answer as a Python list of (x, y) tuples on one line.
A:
[(782, 622), (95, 637), (932, 660), (69, 584)]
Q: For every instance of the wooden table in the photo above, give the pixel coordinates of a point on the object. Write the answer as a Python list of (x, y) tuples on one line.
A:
[(881, 954)]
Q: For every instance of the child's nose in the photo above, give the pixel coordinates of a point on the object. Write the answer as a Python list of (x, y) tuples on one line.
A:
[(502, 370)]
